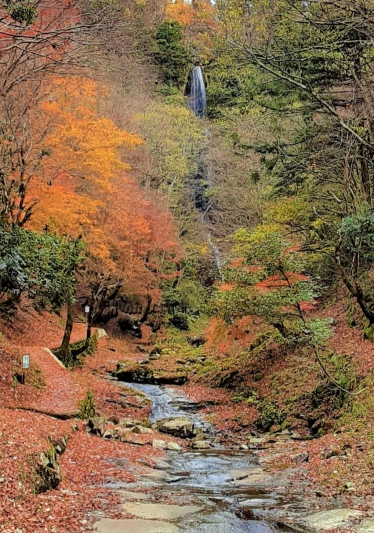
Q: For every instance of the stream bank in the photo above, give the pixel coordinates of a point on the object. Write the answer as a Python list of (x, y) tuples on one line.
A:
[(219, 490)]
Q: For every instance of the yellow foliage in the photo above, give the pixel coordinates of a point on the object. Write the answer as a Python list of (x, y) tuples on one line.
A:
[(180, 12), (81, 143), (287, 211)]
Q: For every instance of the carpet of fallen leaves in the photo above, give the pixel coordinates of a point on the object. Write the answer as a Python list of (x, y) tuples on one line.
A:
[(90, 465)]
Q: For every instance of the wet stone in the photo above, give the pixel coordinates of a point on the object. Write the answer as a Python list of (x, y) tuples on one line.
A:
[(178, 427), (108, 525), (299, 458), (156, 511), (159, 444), (330, 520), (201, 445), (366, 526), (128, 495)]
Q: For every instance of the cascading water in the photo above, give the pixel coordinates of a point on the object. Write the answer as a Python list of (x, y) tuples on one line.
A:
[(195, 90)]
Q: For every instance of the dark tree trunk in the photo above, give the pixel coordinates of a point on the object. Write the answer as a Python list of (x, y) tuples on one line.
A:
[(147, 310), (68, 328), (89, 326)]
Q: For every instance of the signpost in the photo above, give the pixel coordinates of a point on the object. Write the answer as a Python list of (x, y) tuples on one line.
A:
[(25, 366), (88, 322)]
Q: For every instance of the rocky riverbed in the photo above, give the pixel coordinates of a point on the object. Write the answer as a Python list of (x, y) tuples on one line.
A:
[(205, 488)]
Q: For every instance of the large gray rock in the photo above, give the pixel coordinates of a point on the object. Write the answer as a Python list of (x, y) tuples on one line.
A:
[(159, 444), (330, 520), (201, 445), (97, 425), (299, 458), (174, 447), (109, 525), (133, 372), (128, 422), (366, 526), (140, 430), (159, 511), (178, 427), (132, 438)]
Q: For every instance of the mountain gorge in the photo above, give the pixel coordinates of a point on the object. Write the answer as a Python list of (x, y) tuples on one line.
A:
[(227, 252)]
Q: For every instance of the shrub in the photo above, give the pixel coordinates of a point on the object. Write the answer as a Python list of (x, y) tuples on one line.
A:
[(87, 407), (271, 415)]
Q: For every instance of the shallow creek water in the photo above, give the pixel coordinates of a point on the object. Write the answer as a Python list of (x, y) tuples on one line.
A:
[(211, 485)]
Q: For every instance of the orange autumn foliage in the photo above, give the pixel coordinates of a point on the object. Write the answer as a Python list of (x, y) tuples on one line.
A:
[(278, 282), (222, 338), (140, 235), (82, 156), (82, 143), (84, 189), (180, 12), (200, 12)]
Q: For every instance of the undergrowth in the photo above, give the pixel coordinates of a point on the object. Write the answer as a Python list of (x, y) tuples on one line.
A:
[(87, 407), (77, 352)]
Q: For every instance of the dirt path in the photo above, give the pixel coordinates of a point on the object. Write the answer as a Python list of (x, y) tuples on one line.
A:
[(61, 394)]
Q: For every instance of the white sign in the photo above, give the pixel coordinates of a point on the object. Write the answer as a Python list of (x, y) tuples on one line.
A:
[(25, 361), (87, 309)]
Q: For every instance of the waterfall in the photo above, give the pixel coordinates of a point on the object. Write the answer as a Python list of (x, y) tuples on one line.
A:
[(202, 183), (196, 93), (216, 255), (195, 90)]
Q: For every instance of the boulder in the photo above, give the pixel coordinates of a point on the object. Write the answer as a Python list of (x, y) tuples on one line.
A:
[(119, 431), (330, 520), (128, 422), (178, 427), (113, 419), (299, 458), (159, 444), (136, 373), (201, 445), (173, 446), (131, 438), (196, 340), (96, 425), (141, 430)]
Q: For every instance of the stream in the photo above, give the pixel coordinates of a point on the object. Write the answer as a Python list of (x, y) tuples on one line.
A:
[(200, 491)]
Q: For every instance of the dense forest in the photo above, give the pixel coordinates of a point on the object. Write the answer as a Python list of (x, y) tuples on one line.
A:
[(237, 247)]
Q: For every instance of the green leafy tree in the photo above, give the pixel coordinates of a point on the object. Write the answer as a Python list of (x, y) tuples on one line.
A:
[(39, 266), (171, 54), (314, 72), (268, 278)]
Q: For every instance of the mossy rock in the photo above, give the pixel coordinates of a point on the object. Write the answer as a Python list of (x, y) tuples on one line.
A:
[(136, 373), (369, 333)]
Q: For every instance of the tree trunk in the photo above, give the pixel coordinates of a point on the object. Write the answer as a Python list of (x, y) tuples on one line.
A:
[(68, 328), (89, 326), (147, 310)]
